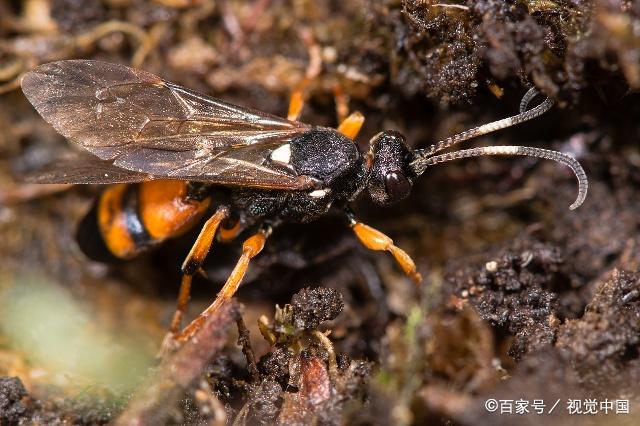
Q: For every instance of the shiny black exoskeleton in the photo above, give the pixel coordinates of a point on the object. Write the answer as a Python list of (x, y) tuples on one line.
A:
[(341, 172)]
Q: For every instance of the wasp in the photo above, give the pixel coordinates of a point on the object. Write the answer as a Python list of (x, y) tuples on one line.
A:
[(170, 155)]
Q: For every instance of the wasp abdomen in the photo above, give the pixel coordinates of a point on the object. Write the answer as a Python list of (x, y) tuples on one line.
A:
[(131, 218)]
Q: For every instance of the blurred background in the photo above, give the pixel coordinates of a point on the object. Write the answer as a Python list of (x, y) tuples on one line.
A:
[(522, 298)]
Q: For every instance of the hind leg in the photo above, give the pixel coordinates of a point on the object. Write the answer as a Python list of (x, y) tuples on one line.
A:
[(251, 247)]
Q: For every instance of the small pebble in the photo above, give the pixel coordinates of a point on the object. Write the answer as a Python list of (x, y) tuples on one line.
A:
[(491, 266)]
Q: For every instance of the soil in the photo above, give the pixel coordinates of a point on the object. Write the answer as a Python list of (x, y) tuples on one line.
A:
[(522, 299)]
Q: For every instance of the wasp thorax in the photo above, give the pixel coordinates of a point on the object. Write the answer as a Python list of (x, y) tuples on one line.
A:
[(390, 180)]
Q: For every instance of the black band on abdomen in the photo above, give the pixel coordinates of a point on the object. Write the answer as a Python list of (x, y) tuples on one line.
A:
[(131, 211), (90, 239)]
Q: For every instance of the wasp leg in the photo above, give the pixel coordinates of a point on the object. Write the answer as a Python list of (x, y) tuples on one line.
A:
[(351, 125), (226, 234), (342, 102), (373, 239), (193, 261), (296, 102), (250, 248)]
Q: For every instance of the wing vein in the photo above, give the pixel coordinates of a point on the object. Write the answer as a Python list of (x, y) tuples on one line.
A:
[(126, 118)]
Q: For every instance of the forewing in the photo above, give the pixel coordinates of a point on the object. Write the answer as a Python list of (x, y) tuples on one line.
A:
[(85, 170), (139, 122)]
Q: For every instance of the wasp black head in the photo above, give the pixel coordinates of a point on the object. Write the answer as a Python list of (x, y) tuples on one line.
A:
[(391, 178)]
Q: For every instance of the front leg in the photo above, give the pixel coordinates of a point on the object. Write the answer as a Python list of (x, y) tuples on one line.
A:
[(373, 239)]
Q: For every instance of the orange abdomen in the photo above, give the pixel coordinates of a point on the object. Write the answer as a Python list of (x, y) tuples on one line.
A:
[(131, 218)]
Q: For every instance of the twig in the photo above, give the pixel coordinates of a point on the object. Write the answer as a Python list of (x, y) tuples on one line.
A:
[(452, 6), (20, 193), (245, 342), (11, 85), (328, 346), (155, 400), (210, 404)]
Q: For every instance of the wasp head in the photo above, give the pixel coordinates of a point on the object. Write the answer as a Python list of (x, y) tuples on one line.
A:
[(391, 178)]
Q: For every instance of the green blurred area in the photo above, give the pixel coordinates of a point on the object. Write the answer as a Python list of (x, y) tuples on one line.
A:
[(57, 333)]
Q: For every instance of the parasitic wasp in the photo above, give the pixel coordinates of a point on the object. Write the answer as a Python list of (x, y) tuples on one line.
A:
[(171, 154)]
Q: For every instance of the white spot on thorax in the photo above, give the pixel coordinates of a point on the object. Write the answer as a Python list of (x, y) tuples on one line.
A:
[(318, 193), (282, 154)]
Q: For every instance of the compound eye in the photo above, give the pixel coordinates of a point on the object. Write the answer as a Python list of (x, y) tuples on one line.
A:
[(397, 185)]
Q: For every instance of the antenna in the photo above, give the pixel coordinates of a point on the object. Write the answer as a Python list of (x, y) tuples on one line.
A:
[(424, 158)]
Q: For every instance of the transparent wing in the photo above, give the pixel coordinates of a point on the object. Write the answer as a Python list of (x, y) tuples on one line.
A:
[(85, 170), (139, 122)]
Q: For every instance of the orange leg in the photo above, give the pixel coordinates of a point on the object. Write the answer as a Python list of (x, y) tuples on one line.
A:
[(342, 103), (193, 261), (296, 102), (351, 125), (250, 248), (229, 232), (375, 240)]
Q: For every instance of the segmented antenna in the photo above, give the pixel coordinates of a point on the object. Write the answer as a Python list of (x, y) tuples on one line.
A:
[(523, 116), (527, 151), (424, 158), (528, 97)]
